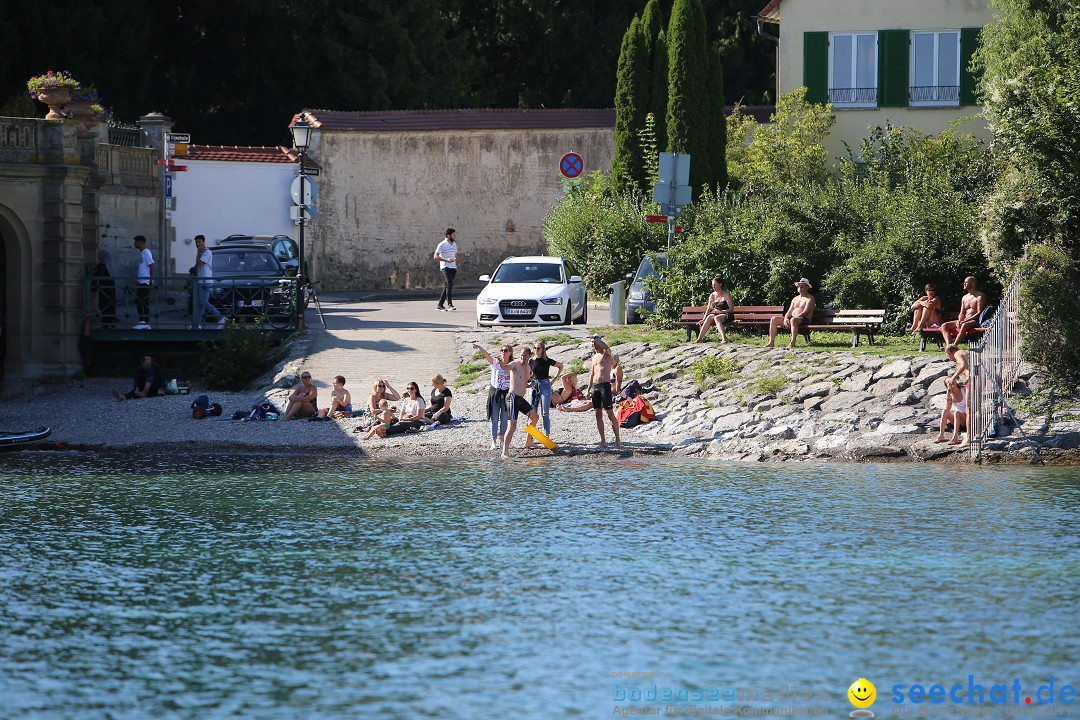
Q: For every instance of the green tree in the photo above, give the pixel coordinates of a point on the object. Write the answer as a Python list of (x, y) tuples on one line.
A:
[(717, 122), (658, 95), (687, 111), (631, 106)]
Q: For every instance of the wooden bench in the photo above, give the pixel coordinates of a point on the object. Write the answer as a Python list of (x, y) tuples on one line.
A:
[(935, 335), (745, 316), (859, 322)]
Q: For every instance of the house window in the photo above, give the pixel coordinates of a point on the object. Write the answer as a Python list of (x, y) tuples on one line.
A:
[(935, 68), (853, 72)]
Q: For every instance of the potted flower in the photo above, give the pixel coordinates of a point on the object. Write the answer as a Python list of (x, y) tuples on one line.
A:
[(54, 88), (85, 106)]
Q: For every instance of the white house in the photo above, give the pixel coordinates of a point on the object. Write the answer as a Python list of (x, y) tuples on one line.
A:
[(230, 191)]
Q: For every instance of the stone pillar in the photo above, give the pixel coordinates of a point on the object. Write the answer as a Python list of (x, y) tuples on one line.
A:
[(154, 127)]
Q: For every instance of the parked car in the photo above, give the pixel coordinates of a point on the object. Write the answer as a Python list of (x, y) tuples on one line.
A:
[(638, 297), (284, 248), (249, 281), (532, 291)]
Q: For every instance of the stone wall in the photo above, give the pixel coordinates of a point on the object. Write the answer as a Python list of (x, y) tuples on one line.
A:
[(385, 199)]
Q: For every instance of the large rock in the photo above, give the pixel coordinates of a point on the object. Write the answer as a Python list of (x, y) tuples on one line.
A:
[(899, 413), (780, 432), (911, 396), (733, 422), (844, 400), (781, 410), (931, 372), (889, 386), (804, 393), (896, 369), (857, 382)]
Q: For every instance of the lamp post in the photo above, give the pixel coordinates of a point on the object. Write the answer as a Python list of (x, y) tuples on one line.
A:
[(301, 132)]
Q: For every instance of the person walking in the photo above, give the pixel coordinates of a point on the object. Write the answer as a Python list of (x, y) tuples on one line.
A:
[(146, 278), (446, 254), (204, 270)]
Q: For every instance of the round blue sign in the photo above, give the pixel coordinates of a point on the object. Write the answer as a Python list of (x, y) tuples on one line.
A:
[(571, 165)]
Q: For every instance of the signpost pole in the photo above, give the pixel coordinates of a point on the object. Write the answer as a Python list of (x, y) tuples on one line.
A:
[(300, 267), (670, 231)]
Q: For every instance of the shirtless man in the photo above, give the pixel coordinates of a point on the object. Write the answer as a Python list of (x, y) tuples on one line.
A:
[(971, 306), (799, 313), (520, 374), (600, 389)]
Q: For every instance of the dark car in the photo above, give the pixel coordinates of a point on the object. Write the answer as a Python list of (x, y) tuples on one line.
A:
[(249, 281), (284, 248), (638, 298)]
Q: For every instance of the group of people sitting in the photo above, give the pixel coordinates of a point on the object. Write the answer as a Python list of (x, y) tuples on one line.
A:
[(410, 413), (926, 313)]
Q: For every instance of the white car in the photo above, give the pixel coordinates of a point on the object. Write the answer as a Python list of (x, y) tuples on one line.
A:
[(532, 291)]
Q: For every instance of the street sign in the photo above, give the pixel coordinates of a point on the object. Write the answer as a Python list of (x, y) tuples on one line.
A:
[(168, 185), (311, 190), (172, 167), (674, 167), (178, 137), (306, 212), (311, 171), (656, 218), (178, 149), (571, 165)]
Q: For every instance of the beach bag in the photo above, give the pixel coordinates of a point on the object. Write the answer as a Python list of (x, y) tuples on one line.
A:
[(632, 390), (634, 411)]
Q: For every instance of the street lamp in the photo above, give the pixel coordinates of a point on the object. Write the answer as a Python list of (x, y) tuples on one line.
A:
[(301, 132)]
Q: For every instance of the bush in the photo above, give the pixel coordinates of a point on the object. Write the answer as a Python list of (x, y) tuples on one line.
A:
[(243, 354), (1049, 308), (602, 232), (714, 369)]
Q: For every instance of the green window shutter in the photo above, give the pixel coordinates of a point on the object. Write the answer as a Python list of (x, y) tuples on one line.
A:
[(816, 66), (894, 58), (969, 81)]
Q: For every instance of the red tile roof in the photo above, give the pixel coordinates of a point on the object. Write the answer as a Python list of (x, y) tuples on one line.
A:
[(245, 153), (771, 12), (465, 119)]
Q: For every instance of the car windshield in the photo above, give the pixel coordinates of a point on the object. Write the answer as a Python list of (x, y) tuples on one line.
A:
[(648, 266), (245, 262), (528, 273)]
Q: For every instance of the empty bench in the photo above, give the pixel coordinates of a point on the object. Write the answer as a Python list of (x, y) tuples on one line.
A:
[(859, 322)]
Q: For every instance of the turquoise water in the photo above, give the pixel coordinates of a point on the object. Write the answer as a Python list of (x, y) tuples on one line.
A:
[(341, 588)]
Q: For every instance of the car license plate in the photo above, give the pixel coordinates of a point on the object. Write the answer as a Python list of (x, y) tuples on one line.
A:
[(250, 303), (518, 311)]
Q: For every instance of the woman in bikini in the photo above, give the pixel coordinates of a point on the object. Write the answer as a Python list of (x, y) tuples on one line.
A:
[(718, 311), (381, 390)]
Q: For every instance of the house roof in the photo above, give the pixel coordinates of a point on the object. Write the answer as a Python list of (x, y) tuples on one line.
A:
[(246, 153), (464, 119), (771, 12)]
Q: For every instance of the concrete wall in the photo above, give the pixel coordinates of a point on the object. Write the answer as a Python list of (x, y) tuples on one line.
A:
[(220, 198), (386, 198), (799, 16)]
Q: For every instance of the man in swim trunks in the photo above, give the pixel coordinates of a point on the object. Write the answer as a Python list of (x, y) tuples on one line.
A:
[(971, 307), (520, 374), (600, 389)]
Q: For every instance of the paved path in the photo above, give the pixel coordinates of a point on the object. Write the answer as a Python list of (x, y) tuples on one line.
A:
[(399, 340)]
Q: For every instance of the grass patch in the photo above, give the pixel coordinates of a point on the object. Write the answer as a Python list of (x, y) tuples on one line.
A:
[(619, 334), (656, 370), (468, 372), (560, 339), (577, 365), (770, 384), (714, 370)]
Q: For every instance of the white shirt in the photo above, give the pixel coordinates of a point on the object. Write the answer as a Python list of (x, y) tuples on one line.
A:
[(409, 407), (448, 250), (500, 379), (145, 261), (205, 270)]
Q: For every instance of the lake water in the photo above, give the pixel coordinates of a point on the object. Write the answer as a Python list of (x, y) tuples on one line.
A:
[(341, 588)]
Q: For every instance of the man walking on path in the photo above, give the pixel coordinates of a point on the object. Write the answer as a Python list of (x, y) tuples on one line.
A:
[(446, 254), (146, 274), (204, 260)]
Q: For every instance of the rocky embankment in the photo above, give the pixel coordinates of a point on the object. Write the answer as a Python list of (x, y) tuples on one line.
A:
[(751, 403)]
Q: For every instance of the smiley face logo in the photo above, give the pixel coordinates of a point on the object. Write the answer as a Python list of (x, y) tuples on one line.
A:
[(862, 693)]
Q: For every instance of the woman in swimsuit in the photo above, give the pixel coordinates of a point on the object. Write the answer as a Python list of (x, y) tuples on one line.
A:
[(381, 390), (926, 311), (718, 311)]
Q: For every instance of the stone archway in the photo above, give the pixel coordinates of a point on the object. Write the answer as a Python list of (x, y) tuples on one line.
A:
[(14, 292)]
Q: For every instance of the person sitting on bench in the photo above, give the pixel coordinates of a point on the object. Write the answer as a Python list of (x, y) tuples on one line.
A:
[(718, 311), (971, 306), (798, 314)]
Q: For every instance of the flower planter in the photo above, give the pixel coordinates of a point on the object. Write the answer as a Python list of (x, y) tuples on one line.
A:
[(55, 98)]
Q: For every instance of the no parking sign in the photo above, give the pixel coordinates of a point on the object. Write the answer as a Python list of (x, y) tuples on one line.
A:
[(571, 165)]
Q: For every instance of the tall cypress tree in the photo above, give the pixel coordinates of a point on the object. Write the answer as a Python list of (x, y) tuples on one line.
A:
[(717, 121), (658, 98), (631, 106), (652, 23), (688, 67)]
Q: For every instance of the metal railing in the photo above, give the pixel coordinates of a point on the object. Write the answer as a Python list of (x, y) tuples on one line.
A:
[(853, 96), (995, 366), (124, 134), (935, 93), (121, 303)]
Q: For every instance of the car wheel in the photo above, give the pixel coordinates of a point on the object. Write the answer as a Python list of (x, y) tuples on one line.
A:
[(569, 317)]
